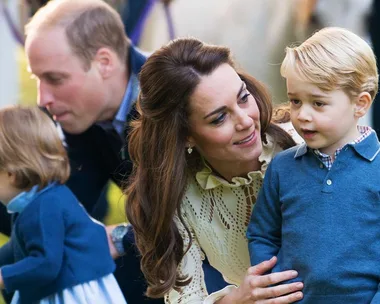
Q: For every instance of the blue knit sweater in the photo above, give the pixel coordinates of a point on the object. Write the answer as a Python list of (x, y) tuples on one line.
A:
[(54, 245), (324, 224)]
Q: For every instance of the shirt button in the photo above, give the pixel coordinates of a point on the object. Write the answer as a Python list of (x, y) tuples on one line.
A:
[(321, 166), (329, 182)]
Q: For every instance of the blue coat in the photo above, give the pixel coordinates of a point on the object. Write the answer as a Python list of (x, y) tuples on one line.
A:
[(54, 245)]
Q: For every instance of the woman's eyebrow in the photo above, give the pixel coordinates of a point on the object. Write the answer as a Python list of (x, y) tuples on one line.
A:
[(220, 109)]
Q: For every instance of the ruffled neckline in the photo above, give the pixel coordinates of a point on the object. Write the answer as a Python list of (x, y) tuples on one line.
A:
[(207, 179)]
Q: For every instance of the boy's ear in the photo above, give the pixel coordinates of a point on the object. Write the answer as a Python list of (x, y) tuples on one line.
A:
[(362, 104)]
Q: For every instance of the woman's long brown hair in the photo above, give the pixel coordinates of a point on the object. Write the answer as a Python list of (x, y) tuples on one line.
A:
[(157, 145)]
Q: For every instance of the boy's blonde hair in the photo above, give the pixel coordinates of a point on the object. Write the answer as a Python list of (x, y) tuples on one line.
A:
[(334, 58), (89, 25), (30, 147)]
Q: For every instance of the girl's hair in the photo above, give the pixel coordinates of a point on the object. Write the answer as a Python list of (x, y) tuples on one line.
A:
[(334, 58), (157, 146), (30, 147)]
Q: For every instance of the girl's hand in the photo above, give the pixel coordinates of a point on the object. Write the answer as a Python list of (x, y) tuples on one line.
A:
[(111, 245), (1, 281), (256, 287)]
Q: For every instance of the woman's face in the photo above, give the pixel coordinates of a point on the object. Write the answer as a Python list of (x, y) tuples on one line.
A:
[(225, 121)]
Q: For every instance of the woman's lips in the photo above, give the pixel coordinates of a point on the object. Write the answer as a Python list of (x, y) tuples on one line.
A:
[(247, 140)]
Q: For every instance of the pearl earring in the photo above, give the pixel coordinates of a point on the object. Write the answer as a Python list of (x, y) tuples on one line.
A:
[(189, 149)]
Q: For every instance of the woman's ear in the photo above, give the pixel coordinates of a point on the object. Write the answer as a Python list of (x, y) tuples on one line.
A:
[(362, 104), (190, 143)]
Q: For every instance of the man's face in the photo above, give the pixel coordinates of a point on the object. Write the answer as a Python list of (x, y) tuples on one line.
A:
[(74, 96)]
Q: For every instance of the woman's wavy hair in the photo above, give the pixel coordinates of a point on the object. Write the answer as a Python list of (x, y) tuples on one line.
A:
[(157, 145)]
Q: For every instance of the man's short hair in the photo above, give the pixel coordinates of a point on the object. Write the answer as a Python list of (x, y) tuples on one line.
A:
[(89, 25)]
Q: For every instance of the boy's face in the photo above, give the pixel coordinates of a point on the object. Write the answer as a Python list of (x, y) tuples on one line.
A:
[(325, 120)]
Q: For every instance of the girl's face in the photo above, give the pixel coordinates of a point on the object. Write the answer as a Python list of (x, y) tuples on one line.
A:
[(7, 190), (225, 122)]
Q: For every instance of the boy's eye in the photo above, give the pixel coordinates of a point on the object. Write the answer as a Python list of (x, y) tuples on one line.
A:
[(295, 102), (319, 104), (219, 119)]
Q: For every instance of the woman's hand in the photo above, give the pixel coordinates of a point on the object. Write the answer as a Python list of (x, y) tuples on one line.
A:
[(256, 287)]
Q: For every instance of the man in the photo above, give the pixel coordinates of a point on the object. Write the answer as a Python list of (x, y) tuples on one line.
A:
[(86, 71)]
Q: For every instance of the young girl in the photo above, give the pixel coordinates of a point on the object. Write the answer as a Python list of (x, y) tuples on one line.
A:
[(56, 253)]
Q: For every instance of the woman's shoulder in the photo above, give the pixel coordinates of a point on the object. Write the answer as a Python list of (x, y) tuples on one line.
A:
[(281, 117), (288, 127)]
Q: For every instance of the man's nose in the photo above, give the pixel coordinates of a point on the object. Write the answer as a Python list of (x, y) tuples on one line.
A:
[(45, 96)]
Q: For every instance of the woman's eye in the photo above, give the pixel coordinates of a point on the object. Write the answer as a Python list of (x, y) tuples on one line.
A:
[(219, 119), (295, 102), (244, 98)]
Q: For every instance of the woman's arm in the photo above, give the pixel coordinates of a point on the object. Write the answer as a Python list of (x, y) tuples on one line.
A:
[(191, 265), (256, 287)]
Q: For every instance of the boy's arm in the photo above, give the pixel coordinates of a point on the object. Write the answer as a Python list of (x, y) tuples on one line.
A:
[(264, 229)]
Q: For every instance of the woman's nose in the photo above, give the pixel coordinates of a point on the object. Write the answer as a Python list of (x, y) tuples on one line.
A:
[(244, 121)]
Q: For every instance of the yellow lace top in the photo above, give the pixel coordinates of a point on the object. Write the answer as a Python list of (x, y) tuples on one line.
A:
[(218, 213)]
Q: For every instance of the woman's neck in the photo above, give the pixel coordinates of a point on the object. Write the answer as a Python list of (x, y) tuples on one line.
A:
[(235, 169)]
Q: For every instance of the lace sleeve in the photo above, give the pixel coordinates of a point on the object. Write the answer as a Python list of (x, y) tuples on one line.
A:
[(191, 266)]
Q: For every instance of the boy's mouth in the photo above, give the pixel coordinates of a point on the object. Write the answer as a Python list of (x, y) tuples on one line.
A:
[(308, 133)]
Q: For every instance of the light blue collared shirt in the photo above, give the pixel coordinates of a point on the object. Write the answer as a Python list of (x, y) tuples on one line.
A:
[(129, 98), (23, 199)]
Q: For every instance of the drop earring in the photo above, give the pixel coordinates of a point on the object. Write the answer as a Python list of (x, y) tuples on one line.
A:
[(189, 149)]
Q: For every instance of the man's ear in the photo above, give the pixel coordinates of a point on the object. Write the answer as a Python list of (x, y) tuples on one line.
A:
[(106, 61), (362, 104)]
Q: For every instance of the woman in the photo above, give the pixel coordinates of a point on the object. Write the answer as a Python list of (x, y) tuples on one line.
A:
[(200, 146)]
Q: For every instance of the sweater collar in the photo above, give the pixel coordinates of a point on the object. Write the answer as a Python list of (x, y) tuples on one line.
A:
[(368, 148)]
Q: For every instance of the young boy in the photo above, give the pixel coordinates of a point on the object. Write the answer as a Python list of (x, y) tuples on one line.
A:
[(324, 219)]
